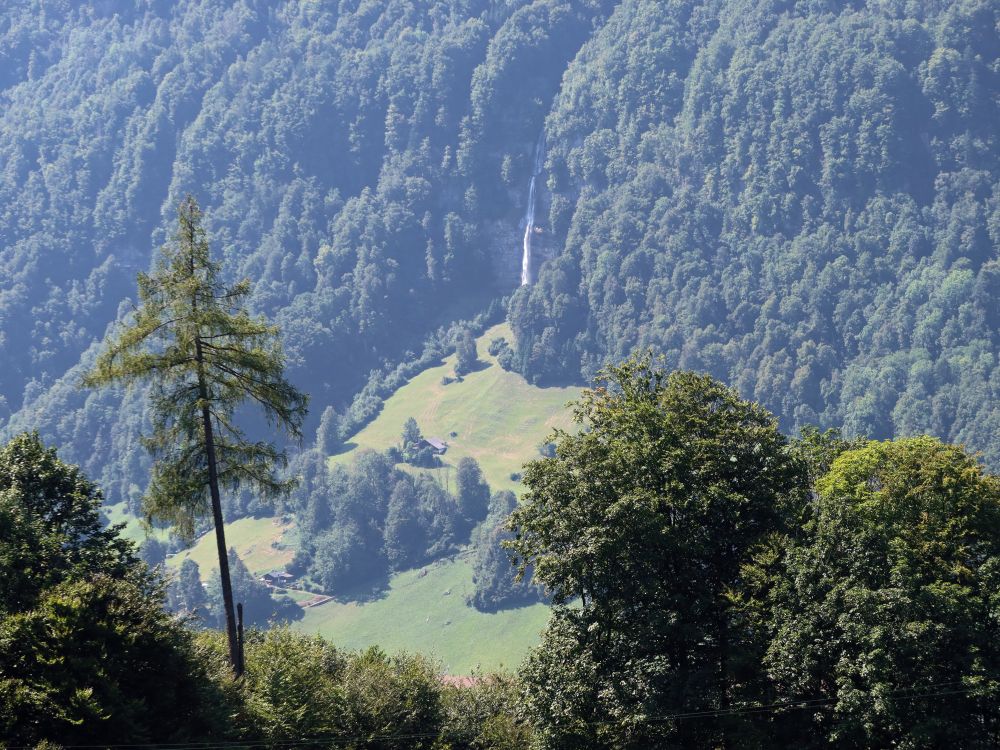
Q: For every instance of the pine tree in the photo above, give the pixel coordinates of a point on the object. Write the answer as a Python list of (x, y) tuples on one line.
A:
[(193, 341)]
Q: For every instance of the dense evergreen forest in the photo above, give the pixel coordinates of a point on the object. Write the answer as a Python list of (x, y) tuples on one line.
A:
[(800, 198)]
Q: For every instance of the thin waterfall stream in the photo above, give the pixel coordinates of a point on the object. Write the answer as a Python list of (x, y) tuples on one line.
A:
[(529, 216)]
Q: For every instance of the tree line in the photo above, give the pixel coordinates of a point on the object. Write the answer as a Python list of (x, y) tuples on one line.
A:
[(361, 522), (719, 585), (816, 226), (89, 655), (715, 584), (801, 200)]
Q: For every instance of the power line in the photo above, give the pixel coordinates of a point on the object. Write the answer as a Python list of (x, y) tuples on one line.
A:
[(902, 694)]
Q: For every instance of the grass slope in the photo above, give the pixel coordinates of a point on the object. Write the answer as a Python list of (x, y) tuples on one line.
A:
[(134, 530), (258, 541), (424, 610), (500, 419)]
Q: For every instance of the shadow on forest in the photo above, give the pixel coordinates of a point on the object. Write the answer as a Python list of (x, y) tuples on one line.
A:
[(344, 448), (365, 592)]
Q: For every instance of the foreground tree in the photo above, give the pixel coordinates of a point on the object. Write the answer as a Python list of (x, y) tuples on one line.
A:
[(88, 656), (645, 517), (886, 613), (193, 340), (50, 526)]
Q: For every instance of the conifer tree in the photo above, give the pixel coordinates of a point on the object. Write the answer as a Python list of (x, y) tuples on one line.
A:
[(192, 339)]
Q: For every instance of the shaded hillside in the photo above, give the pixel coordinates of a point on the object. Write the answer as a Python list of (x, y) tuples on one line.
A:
[(800, 198), (332, 145)]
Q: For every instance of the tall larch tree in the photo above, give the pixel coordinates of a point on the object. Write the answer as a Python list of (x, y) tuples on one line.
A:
[(193, 341)]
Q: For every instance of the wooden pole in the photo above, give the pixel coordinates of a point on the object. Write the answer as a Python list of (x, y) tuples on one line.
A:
[(239, 639)]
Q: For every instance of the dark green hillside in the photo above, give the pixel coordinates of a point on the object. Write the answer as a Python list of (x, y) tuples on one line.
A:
[(800, 198), (332, 145)]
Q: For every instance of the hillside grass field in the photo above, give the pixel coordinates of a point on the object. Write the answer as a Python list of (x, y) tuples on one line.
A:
[(135, 530), (424, 610), (498, 418), (260, 543)]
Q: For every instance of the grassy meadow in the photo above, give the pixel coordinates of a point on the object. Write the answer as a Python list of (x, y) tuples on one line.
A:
[(260, 543), (498, 418), (424, 610)]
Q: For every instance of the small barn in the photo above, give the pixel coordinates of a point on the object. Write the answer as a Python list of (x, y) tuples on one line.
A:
[(277, 578), (437, 445)]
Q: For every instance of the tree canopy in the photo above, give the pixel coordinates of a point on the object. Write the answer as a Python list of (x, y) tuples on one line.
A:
[(720, 586), (799, 199), (87, 652), (193, 342), (646, 516)]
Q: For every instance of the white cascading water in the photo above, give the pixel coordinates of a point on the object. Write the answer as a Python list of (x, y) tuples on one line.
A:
[(529, 216)]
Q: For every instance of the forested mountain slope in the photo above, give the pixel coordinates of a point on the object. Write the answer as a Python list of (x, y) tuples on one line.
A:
[(330, 143), (798, 197)]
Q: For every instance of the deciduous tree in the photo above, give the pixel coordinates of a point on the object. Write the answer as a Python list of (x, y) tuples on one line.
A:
[(645, 517), (885, 612)]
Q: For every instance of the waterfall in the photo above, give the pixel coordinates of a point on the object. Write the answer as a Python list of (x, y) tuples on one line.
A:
[(529, 215)]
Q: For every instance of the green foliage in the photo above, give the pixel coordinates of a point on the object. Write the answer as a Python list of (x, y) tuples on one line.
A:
[(884, 614), (300, 688), (193, 340), (99, 661), (358, 523), (50, 527), (186, 594), (328, 432), (392, 701), (718, 585), (646, 517), (496, 584), (405, 540), (465, 349), (473, 494), (291, 688), (260, 607), (87, 653), (487, 715), (497, 345), (818, 450), (89, 656), (324, 141), (799, 199), (413, 452), (411, 434)]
